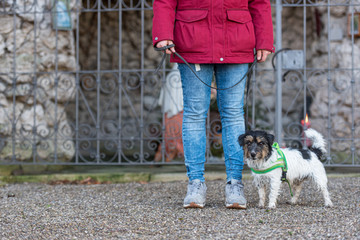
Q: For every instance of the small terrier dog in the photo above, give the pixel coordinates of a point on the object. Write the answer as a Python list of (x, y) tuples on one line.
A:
[(301, 165)]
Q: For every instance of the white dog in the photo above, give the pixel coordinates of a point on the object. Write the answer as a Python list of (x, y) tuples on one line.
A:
[(272, 165)]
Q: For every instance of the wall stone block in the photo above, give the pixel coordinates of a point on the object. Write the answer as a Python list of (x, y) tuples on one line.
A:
[(37, 47)]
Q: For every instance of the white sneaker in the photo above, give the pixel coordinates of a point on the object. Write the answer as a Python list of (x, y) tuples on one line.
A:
[(234, 195), (196, 194)]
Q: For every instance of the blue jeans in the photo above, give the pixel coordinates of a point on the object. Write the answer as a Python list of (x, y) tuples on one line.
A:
[(196, 104)]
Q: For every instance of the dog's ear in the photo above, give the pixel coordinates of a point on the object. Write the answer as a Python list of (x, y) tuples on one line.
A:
[(241, 139), (270, 138)]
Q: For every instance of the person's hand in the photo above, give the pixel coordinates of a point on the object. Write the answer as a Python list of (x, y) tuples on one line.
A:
[(166, 43), (262, 55)]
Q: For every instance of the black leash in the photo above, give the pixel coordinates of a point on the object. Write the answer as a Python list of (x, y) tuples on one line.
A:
[(247, 75)]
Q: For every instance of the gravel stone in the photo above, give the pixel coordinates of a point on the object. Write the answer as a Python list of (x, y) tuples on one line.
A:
[(154, 211)]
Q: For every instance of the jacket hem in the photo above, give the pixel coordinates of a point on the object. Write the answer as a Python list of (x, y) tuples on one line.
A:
[(191, 58)]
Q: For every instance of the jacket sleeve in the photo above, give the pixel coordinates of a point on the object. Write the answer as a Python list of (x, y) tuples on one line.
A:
[(260, 11), (163, 20)]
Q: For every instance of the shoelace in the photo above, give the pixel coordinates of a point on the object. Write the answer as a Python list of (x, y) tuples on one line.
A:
[(195, 185), (237, 188)]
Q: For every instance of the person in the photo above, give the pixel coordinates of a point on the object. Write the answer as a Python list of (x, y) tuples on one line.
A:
[(217, 37)]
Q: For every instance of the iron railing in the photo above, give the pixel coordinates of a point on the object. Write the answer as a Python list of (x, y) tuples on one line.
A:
[(89, 95)]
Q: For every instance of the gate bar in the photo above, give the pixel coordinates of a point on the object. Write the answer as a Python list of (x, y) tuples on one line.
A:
[(278, 75)]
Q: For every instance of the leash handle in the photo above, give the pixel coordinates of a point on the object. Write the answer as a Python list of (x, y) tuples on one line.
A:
[(161, 49)]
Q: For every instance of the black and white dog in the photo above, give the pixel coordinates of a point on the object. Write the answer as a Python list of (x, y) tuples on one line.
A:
[(301, 165)]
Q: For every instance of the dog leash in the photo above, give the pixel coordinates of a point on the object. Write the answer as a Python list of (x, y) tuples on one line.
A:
[(248, 74), (280, 163)]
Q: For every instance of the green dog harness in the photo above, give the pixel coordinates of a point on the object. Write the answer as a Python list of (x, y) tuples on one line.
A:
[(279, 163)]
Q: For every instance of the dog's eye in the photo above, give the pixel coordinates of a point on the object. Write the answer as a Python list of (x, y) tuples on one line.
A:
[(261, 143), (248, 143)]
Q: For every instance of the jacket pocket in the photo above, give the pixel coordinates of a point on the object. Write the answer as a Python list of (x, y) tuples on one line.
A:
[(240, 35), (191, 33)]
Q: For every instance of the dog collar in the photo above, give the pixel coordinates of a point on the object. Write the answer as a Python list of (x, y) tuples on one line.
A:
[(279, 163)]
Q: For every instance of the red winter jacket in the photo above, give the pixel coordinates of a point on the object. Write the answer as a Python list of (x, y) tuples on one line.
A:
[(214, 31)]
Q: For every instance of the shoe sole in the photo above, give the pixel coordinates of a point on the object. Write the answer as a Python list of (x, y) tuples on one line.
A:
[(235, 206), (194, 205)]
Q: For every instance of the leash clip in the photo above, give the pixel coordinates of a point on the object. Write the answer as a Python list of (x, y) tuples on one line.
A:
[(283, 176)]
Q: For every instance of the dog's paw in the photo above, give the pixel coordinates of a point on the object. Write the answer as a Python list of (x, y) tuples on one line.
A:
[(261, 206), (291, 202), (329, 204), (271, 206)]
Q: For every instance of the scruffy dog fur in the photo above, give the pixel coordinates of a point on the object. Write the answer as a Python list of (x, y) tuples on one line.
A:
[(302, 164)]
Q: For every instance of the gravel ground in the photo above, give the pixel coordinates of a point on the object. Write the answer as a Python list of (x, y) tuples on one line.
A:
[(154, 211)]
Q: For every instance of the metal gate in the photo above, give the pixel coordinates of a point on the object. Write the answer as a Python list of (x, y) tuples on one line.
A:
[(77, 83)]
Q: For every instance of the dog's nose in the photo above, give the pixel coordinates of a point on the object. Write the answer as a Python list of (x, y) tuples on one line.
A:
[(253, 154)]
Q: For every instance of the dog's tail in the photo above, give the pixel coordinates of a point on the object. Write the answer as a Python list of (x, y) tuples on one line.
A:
[(318, 142)]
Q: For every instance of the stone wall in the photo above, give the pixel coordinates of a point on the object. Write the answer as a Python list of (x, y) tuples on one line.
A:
[(32, 94)]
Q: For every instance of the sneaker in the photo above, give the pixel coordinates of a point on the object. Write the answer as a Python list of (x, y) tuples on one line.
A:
[(196, 194), (234, 195)]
